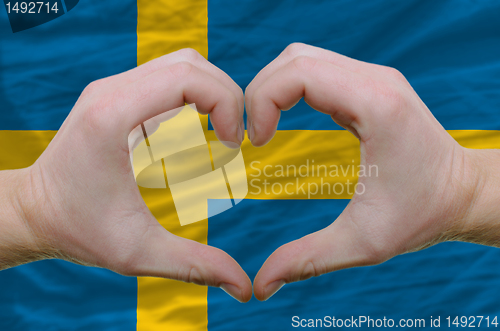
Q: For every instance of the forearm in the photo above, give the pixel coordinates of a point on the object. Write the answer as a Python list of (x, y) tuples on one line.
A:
[(481, 225), (17, 241)]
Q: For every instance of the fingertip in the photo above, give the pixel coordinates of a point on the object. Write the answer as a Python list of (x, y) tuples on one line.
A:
[(242, 292), (260, 139), (247, 290), (230, 140), (227, 122), (260, 142), (230, 144), (263, 116), (285, 265), (234, 291), (272, 288), (264, 289), (231, 277), (251, 132), (260, 284), (241, 132)]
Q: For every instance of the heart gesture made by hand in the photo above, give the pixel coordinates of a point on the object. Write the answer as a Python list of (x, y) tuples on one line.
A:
[(80, 201)]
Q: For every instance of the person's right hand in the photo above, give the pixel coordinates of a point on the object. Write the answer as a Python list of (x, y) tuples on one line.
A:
[(80, 202), (429, 189)]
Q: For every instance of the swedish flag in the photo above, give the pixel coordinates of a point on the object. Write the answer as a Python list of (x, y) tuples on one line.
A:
[(448, 50)]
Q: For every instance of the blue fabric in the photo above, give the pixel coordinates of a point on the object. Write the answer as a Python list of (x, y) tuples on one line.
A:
[(43, 70), (58, 295), (449, 279), (449, 50)]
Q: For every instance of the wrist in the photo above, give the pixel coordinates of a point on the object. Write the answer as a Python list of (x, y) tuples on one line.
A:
[(18, 242), (481, 222)]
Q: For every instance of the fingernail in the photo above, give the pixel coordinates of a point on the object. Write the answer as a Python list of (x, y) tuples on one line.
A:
[(232, 290), (241, 132), (273, 287), (230, 144), (250, 130)]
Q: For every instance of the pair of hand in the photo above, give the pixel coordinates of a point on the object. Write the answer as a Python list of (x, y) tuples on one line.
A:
[(80, 201)]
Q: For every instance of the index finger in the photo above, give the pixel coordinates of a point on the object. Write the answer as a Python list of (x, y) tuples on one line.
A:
[(118, 113), (326, 87), (298, 49)]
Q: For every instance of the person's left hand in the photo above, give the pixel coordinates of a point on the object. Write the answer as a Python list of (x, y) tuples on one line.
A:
[(428, 186)]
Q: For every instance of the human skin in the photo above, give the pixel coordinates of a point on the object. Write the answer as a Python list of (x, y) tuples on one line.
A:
[(429, 188), (80, 202)]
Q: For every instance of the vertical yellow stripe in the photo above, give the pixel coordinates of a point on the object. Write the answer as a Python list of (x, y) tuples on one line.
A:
[(164, 26)]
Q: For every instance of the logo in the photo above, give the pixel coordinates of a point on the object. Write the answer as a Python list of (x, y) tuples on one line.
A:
[(204, 177), (25, 15)]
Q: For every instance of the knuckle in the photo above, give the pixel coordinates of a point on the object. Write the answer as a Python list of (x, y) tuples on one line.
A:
[(189, 54), (304, 63), (311, 269), (389, 95), (97, 114), (181, 69), (393, 73), (195, 277), (390, 99), (193, 271), (295, 49), (190, 275), (93, 88)]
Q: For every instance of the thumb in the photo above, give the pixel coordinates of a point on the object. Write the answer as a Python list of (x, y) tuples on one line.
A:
[(169, 256), (332, 248)]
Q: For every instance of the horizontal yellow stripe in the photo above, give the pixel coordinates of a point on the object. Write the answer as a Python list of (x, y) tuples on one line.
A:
[(303, 165), (20, 149), (298, 158), (477, 139), (320, 164)]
